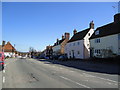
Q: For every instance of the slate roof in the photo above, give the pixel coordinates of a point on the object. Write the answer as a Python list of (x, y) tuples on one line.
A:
[(79, 36), (109, 29), (60, 41)]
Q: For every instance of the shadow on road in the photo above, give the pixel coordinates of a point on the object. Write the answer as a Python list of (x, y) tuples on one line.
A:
[(88, 65)]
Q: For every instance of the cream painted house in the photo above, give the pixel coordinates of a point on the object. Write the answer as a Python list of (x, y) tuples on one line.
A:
[(58, 47), (78, 46), (105, 42)]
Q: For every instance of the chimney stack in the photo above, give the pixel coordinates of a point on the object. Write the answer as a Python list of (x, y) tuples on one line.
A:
[(63, 37), (67, 35), (47, 47), (91, 25), (57, 41), (75, 31), (117, 17)]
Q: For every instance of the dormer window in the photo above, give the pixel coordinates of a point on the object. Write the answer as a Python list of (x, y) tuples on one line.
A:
[(97, 32)]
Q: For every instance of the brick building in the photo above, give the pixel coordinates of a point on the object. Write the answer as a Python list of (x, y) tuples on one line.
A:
[(9, 50)]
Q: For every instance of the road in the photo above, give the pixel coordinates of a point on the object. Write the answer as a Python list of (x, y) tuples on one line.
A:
[(31, 73)]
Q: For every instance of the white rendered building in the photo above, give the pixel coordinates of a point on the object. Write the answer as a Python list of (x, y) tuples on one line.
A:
[(105, 42), (78, 46)]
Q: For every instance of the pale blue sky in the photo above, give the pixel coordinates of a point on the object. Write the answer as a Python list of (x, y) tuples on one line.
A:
[(37, 24)]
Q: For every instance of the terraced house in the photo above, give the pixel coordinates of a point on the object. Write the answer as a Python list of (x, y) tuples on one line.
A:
[(105, 42), (78, 46), (58, 47)]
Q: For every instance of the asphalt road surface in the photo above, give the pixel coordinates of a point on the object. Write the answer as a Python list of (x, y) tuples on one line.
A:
[(31, 73)]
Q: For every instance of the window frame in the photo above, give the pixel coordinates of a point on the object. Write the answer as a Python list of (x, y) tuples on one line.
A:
[(97, 32)]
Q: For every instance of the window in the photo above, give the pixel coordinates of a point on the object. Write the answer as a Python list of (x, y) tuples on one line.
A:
[(78, 43), (69, 53), (88, 34), (97, 40), (78, 52), (73, 44), (97, 51), (97, 32)]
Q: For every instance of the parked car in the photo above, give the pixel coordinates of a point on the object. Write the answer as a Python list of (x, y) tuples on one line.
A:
[(2, 60), (55, 57), (42, 57), (63, 57)]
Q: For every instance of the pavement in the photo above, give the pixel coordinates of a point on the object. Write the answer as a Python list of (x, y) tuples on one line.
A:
[(99, 66), (32, 73)]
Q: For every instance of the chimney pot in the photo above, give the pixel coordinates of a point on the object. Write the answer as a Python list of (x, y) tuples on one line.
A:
[(91, 25), (75, 31), (63, 37), (57, 41), (67, 35)]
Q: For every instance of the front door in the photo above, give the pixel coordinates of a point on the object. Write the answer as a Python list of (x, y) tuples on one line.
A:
[(73, 54)]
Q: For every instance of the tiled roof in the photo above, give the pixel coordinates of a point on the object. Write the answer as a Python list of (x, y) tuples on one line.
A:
[(8, 47), (79, 36), (109, 29)]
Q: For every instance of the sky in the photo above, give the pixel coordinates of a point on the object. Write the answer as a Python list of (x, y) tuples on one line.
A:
[(38, 24)]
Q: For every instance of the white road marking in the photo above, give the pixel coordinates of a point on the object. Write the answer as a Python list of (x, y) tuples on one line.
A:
[(100, 78), (88, 75), (74, 82), (109, 83), (71, 71), (115, 84), (61, 68), (5, 65), (3, 79), (3, 71)]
